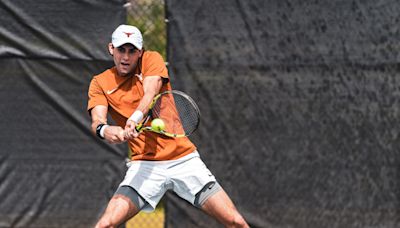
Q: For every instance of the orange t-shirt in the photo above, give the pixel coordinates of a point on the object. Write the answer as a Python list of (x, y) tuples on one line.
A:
[(124, 95)]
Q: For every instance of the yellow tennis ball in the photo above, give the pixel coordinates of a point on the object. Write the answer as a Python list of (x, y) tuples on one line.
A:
[(157, 125)]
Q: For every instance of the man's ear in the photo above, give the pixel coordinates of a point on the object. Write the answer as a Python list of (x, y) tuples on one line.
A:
[(141, 52), (111, 49)]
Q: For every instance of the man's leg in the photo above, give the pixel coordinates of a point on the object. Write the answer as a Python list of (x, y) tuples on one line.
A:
[(221, 207), (125, 204)]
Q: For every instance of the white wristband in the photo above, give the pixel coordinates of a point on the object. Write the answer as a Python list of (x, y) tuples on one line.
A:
[(137, 116), (102, 130)]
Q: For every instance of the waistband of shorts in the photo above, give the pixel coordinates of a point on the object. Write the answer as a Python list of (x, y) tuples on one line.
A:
[(194, 154)]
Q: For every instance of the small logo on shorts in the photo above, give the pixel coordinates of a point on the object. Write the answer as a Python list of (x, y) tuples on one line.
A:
[(211, 185)]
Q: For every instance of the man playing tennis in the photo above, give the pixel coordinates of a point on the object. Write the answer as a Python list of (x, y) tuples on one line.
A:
[(158, 163)]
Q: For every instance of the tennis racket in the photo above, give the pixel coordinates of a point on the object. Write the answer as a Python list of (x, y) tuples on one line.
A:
[(178, 112)]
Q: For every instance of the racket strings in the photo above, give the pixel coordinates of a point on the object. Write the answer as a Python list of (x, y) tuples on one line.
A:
[(179, 113), (187, 113)]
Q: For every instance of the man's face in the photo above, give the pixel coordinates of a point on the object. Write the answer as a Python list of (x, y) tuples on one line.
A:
[(125, 58)]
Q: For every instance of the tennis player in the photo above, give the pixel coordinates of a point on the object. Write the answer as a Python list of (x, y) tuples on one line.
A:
[(158, 163)]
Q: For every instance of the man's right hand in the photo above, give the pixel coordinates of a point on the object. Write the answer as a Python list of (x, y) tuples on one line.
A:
[(114, 134), (130, 130)]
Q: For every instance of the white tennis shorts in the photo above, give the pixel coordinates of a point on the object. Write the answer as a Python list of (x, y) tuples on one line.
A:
[(186, 176)]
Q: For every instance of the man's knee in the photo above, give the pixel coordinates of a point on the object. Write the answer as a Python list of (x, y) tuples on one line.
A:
[(238, 221), (104, 223)]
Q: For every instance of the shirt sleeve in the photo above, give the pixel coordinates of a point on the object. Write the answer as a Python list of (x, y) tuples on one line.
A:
[(96, 95), (154, 65)]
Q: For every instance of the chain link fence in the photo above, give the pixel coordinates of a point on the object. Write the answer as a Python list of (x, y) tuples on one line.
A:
[(149, 17), (155, 219)]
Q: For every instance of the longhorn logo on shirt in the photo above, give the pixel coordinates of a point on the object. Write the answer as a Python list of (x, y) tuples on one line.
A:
[(128, 34)]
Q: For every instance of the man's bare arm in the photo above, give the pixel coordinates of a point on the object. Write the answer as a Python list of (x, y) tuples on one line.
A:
[(151, 86), (112, 134)]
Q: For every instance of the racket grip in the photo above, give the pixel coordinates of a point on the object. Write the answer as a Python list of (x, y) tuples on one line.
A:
[(139, 127)]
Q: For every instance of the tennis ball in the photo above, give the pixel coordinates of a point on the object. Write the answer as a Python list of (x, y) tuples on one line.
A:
[(157, 125)]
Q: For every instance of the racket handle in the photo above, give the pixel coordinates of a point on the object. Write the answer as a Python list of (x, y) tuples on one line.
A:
[(139, 127)]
